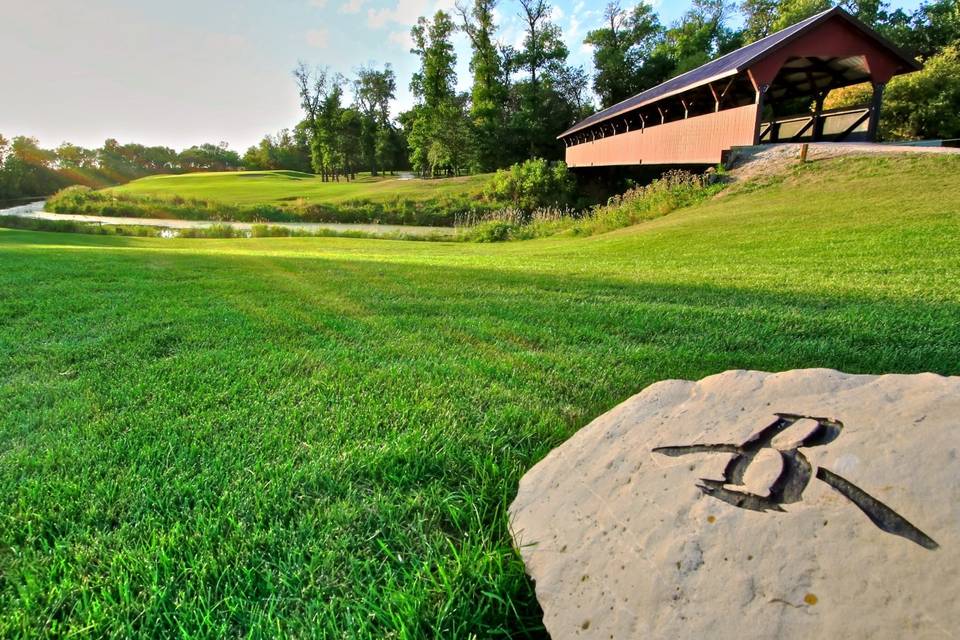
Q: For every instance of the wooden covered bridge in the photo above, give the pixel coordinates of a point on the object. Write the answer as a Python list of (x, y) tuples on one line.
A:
[(758, 94)]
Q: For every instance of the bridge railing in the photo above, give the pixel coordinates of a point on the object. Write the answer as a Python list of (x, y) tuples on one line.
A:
[(852, 124)]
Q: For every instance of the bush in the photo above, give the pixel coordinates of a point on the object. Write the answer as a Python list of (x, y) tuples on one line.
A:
[(533, 184), (674, 190), (70, 226), (213, 231)]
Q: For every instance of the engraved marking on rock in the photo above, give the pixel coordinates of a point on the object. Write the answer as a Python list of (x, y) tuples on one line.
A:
[(794, 476)]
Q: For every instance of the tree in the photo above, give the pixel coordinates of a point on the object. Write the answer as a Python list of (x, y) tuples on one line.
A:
[(759, 18), (209, 157), (700, 36), (6, 186), (334, 136), (540, 111), (621, 50), (373, 90), (488, 96), (930, 29), (285, 150), (571, 84), (543, 45), (790, 12), (350, 130), (434, 83), (436, 121)]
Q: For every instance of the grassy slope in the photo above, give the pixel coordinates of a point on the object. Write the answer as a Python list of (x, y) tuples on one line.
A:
[(277, 187), (221, 437)]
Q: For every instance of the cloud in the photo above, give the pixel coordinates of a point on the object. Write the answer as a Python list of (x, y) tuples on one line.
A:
[(406, 12), (319, 38), (319, 4), (352, 6), (402, 39)]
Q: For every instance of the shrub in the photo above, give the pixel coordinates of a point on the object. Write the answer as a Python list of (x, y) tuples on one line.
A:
[(70, 226), (213, 231), (673, 190), (532, 184), (491, 231)]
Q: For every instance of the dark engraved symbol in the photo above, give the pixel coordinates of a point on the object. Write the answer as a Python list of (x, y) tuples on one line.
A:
[(794, 476)]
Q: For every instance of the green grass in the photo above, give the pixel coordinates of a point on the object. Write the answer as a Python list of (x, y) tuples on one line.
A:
[(284, 196), (320, 437), (279, 187)]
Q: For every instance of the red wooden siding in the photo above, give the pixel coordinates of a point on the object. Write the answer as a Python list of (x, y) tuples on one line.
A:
[(697, 140)]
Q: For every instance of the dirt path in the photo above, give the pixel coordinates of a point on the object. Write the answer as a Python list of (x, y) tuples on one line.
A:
[(35, 210)]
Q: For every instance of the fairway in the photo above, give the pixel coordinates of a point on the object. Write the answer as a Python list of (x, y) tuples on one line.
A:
[(279, 187), (319, 437)]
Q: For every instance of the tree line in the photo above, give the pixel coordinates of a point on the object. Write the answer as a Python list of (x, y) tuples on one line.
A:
[(27, 170), (520, 97)]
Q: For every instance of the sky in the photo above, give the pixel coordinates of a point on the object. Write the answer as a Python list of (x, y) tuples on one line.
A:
[(184, 72)]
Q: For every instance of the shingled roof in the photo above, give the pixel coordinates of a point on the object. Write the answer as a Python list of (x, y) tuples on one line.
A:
[(731, 64)]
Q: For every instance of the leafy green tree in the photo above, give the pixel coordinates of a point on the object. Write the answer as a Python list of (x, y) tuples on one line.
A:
[(870, 12), (334, 133), (543, 47), (6, 187), (790, 12), (571, 84), (373, 91), (434, 83), (540, 110), (285, 150), (350, 143), (29, 170), (436, 119), (930, 29), (621, 51), (700, 35), (209, 157), (759, 17), (328, 145), (488, 96)]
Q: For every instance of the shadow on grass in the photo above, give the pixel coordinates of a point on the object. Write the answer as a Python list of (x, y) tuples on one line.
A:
[(367, 420)]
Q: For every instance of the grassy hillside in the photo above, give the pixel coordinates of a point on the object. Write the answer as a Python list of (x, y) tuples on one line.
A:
[(319, 437), (284, 196), (278, 187)]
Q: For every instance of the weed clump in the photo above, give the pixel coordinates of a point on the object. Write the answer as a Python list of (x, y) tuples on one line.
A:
[(674, 190)]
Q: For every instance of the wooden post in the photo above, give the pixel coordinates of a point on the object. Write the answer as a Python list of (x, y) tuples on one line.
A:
[(818, 116), (804, 148), (761, 103), (875, 111)]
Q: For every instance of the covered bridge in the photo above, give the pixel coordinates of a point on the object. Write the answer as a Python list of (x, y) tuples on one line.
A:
[(758, 94)]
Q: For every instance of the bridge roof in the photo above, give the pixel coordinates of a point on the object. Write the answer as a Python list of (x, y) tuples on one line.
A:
[(731, 64)]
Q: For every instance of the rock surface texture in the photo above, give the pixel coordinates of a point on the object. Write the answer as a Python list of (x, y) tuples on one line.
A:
[(804, 504)]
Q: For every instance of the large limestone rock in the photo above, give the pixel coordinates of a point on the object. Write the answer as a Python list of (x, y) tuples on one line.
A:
[(842, 527)]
